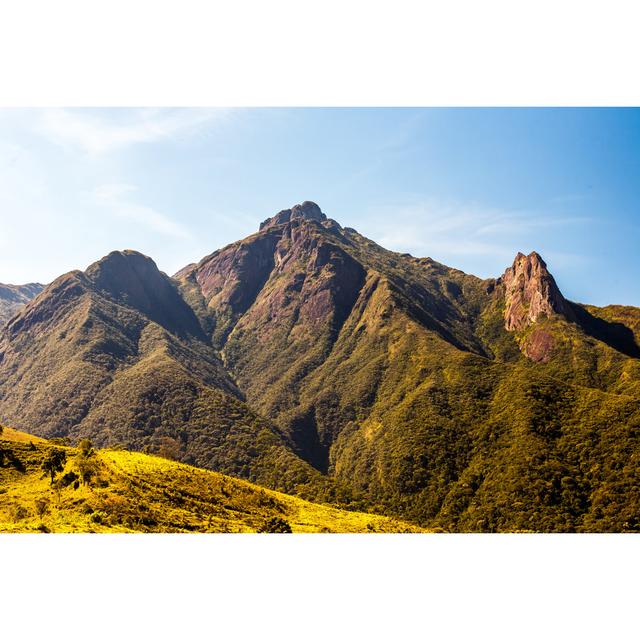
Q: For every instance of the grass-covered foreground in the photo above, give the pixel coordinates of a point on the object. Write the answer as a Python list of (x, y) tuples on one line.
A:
[(47, 487)]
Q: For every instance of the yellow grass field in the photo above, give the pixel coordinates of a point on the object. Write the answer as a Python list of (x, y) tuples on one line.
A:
[(121, 492)]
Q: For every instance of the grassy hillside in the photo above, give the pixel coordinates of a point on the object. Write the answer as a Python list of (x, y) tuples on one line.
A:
[(121, 491)]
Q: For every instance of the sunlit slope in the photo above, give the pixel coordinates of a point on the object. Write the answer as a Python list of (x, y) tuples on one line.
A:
[(121, 491), (13, 435)]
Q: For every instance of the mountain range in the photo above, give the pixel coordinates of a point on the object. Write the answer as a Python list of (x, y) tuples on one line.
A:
[(13, 298), (309, 359)]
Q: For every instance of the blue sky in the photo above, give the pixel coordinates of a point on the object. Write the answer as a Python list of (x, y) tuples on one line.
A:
[(467, 187)]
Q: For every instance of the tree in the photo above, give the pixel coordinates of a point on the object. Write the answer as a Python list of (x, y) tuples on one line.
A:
[(1, 429), (87, 468), (85, 447), (169, 448), (54, 462)]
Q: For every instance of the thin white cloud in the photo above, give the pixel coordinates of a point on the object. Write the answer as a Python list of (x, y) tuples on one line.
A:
[(480, 237), (116, 198), (96, 133)]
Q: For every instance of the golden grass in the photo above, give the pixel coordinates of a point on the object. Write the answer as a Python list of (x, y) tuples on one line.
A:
[(134, 492), (13, 435)]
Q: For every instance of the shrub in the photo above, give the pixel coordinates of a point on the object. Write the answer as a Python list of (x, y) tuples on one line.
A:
[(42, 507), (275, 525), (85, 447)]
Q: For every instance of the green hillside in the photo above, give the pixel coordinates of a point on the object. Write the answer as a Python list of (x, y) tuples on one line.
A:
[(398, 377)]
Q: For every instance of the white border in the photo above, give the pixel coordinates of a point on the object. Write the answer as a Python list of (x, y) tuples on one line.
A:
[(320, 586), (138, 52), (334, 52)]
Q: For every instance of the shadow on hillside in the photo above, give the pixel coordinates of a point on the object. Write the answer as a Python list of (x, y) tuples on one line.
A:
[(615, 334), (303, 430)]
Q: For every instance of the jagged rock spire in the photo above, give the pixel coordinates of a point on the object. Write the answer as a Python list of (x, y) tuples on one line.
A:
[(531, 293)]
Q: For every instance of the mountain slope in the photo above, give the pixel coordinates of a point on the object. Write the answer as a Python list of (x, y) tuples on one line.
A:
[(121, 491), (14, 297), (427, 391), (116, 355)]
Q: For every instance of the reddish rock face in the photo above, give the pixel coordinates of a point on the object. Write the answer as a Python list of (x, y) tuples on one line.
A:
[(539, 346), (531, 293), (286, 273)]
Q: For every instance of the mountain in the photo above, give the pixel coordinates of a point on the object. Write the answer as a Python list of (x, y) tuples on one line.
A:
[(464, 403), (14, 297), (308, 358), (120, 491), (116, 355)]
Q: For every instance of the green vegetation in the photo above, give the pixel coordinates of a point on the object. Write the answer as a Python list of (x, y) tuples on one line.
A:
[(410, 393), (54, 462), (116, 356)]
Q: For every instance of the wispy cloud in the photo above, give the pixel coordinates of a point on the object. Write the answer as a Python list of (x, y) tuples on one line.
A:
[(117, 199), (98, 132), (478, 236)]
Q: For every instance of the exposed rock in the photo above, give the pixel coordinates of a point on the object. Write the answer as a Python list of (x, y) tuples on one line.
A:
[(307, 210), (394, 376), (539, 346), (531, 293)]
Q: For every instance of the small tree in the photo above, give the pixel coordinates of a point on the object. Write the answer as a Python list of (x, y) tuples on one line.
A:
[(169, 448), (85, 447), (42, 507), (88, 469), (54, 462)]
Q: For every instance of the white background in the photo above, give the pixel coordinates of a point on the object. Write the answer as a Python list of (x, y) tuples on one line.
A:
[(243, 53)]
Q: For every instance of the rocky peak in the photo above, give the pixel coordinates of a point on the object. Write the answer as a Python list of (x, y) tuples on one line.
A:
[(307, 211), (531, 293), (134, 279)]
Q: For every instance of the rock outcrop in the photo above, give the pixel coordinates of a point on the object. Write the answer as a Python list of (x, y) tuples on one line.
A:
[(307, 210), (531, 293)]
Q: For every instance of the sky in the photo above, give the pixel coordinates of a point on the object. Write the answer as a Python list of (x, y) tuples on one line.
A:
[(467, 187)]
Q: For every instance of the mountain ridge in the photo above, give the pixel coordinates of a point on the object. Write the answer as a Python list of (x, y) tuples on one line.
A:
[(115, 354), (377, 379)]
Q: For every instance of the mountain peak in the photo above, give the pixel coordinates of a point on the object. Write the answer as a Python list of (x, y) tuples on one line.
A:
[(307, 211), (531, 292), (134, 279)]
